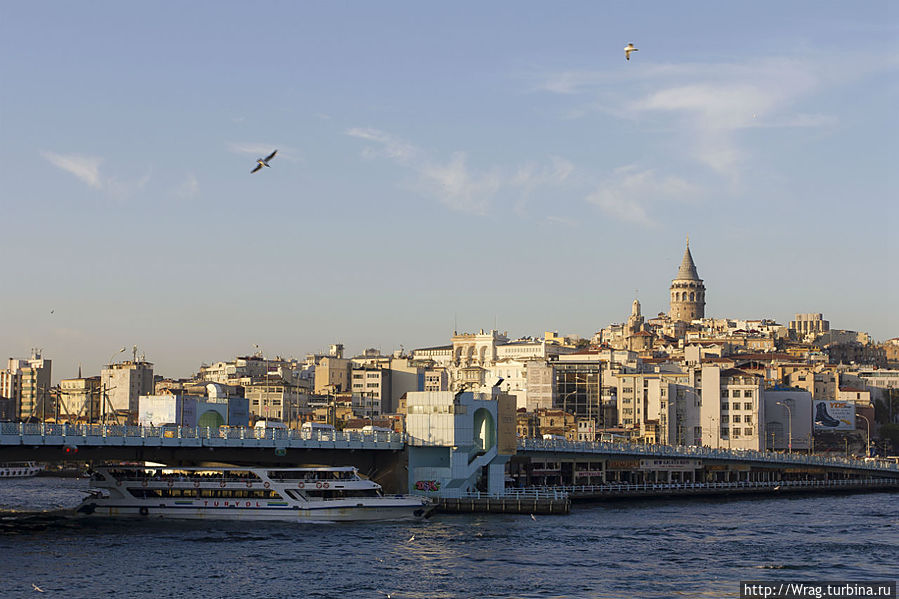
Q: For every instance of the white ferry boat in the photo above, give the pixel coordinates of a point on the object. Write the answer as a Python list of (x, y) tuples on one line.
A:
[(19, 469), (330, 494)]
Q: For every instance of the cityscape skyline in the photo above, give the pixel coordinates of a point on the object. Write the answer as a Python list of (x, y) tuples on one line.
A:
[(435, 171)]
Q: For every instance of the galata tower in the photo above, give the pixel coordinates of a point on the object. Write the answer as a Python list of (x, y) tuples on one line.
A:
[(687, 291)]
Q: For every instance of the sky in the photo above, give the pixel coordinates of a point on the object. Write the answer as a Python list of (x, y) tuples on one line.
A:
[(441, 166)]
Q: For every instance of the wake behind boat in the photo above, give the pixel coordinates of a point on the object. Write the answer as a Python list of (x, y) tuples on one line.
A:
[(329, 494)]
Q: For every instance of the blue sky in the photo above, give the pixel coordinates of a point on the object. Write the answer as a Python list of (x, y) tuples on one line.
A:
[(477, 163)]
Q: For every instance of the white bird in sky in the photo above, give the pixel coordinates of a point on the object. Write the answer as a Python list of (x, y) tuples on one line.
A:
[(37, 588), (412, 538), (260, 162), (628, 49), (533, 518)]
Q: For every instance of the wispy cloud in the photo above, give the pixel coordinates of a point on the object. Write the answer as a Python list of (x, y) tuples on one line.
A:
[(86, 168), (386, 146), (631, 194), (707, 104), (189, 189), (453, 181)]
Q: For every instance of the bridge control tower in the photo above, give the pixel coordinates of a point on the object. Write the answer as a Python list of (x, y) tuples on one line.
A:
[(459, 442)]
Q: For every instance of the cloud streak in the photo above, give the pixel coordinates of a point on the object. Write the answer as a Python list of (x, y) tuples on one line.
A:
[(452, 181), (630, 194), (86, 168), (707, 104)]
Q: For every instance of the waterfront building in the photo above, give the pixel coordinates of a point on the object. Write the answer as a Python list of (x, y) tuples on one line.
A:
[(276, 399), (731, 407), (476, 349), (781, 422), (191, 411), (123, 383), (81, 397), (25, 384), (687, 291), (371, 391)]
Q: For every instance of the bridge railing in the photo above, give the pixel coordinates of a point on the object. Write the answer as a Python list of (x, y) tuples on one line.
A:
[(65, 430), (680, 451), (526, 494), (614, 488)]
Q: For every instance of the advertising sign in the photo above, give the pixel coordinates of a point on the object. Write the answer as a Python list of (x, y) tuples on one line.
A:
[(832, 415)]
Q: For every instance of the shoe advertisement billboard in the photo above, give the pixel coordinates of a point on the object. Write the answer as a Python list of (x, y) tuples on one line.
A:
[(832, 415)]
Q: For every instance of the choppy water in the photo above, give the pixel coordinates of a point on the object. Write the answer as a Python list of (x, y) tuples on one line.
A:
[(677, 548)]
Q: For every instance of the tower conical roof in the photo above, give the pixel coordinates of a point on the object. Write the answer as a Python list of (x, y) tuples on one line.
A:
[(687, 270)]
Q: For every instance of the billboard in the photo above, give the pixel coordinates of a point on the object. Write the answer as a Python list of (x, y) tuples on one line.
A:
[(830, 415)]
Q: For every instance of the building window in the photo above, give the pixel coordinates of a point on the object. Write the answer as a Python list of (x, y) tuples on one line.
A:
[(747, 393), (747, 405), (724, 405), (748, 432), (736, 418), (724, 393), (747, 419), (725, 432), (736, 393)]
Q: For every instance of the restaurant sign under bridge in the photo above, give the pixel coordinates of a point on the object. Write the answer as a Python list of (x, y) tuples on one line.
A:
[(672, 464)]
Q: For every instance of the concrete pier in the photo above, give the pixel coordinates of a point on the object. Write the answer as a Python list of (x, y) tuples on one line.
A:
[(528, 502)]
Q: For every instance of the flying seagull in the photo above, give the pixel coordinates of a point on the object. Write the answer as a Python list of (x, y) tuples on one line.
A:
[(260, 162), (533, 518), (412, 538), (37, 588), (627, 51)]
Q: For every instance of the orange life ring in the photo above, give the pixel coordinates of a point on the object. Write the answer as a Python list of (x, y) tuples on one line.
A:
[(266, 484), (301, 485), (325, 485), (196, 484), (222, 484), (249, 484), (318, 485), (171, 484)]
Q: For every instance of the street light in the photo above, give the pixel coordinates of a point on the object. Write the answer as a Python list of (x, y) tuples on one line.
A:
[(868, 444), (790, 425)]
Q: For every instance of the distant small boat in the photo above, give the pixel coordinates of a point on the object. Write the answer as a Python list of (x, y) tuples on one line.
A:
[(19, 469)]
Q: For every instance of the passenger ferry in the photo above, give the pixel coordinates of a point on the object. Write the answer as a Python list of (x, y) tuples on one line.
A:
[(330, 494), (19, 469)]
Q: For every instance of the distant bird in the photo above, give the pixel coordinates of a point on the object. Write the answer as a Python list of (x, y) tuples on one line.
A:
[(260, 162), (627, 51), (37, 588), (412, 538), (777, 488), (51, 311), (533, 518)]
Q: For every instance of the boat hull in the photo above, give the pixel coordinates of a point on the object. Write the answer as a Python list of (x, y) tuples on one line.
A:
[(349, 513)]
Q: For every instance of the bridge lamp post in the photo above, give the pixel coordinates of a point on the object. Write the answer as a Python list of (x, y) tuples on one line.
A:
[(789, 425), (868, 442)]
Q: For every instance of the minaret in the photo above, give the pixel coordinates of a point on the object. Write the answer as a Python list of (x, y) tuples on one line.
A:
[(687, 291)]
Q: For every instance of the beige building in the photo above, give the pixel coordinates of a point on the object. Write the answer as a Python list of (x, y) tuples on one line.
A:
[(123, 384), (276, 400), (25, 385), (332, 375), (821, 383), (81, 398)]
